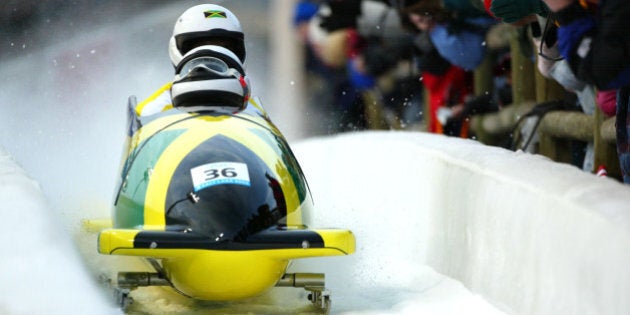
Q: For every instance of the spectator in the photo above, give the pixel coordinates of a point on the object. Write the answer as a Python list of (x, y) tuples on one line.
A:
[(334, 39), (458, 115), (593, 37), (364, 40), (461, 41), (550, 63), (446, 84)]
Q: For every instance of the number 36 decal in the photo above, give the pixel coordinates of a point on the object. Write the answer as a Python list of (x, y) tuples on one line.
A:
[(219, 173)]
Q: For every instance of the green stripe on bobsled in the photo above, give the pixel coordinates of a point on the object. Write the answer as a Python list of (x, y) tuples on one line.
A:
[(131, 199)]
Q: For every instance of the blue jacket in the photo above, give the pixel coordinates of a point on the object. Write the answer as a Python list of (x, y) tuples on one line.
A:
[(597, 46), (465, 47)]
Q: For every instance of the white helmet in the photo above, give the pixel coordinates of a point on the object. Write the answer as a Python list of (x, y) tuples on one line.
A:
[(206, 24), (210, 77)]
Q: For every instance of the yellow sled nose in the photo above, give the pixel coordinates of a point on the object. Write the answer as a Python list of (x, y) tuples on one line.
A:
[(226, 272)]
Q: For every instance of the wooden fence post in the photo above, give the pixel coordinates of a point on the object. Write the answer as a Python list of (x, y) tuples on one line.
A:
[(374, 110), (483, 75), (523, 87), (605, 147)]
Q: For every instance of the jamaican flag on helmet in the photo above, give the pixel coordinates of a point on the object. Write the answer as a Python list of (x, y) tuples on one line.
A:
[(214, 14)]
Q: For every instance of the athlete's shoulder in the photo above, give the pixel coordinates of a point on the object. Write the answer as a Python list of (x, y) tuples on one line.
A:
[(159, 101)]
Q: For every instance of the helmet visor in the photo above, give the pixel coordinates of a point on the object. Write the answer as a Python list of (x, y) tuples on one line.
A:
[(208, 64)]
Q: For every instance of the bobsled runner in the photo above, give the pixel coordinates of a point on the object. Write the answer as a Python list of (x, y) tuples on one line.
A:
[(216, 202)]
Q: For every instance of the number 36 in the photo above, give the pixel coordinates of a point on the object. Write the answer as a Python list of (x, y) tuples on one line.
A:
[(215, 173)]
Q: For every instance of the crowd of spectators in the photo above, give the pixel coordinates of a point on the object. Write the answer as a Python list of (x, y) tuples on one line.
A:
[(419, 58)]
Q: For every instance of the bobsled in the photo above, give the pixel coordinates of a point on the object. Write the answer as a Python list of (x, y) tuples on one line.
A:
[(216, 202)]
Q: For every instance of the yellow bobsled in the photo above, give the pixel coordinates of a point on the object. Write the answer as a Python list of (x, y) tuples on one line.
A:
[(215, 200)]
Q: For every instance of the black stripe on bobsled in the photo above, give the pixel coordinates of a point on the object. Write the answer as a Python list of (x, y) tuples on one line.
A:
[(267, 239)]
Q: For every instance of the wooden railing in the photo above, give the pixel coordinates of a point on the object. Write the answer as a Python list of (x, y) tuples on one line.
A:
[(557, 128)]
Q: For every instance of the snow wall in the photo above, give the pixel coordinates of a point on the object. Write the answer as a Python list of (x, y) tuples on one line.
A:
[(530, 235), (40, 270)]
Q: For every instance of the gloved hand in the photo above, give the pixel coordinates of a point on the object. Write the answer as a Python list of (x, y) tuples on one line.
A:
[(511, 11), (359, 78)]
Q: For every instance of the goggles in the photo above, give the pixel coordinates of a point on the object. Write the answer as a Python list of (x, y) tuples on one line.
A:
[(208, 64)]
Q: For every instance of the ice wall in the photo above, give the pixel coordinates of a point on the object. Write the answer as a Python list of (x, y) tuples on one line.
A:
[(40, 272), (530, 235)]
